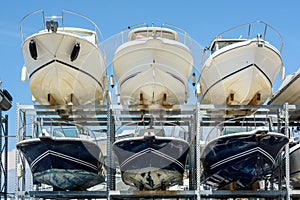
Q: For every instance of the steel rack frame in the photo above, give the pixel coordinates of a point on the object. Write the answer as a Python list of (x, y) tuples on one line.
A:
[(192, 116), (4, 155), (26, 119), (287, 115), (178, 115)]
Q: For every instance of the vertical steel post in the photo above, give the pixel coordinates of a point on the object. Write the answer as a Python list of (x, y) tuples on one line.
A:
[(3, 156), (287, 151), (192, 154), (280, 156), (5, 149), (17, 154), (20, 116), (22, 160), (198, 149), (1, 134), (110, 163)]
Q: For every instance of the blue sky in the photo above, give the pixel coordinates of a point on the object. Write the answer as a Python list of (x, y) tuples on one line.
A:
[(201, 19)]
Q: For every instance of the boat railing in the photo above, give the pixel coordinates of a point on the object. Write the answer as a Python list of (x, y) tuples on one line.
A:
[(31, 15), (119, 41), (148, 122), (216, 132), (23, 37), (229, 126), (186, 39), (268, 33), (181, 35), (62, 129)]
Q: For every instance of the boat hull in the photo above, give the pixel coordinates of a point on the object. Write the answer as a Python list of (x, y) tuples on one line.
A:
[(56, 79), (294, 166), (242, 158), (240, 74), (288, 92), (64, 163), (152, 163), (153, 71)]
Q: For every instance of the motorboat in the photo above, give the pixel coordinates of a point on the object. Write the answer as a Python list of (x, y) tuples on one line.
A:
[(153, 66), (294, 165), (65, 64), (66, 158), (241, 69), (151, 160), (294, 155), (289, 91), (240, 158)]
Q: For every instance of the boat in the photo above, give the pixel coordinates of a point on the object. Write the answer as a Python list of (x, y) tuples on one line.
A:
[(241, 69), (66, 158), (289, 91), (151, 160), (240, 158), (64, 64), (294, 165), (153, 66), (294, 155)]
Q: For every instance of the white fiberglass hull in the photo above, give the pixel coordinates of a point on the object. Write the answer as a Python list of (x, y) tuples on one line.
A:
[(289, 92), (240, 74), (55, 79), (153, 71)]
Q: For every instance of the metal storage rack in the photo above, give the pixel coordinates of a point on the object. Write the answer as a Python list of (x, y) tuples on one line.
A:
[(4, 155), (264, 115), (26, 118), (192, 116)]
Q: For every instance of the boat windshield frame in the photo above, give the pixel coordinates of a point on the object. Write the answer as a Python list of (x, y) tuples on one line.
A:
[(71, 132), (149, 123), (266, 29), (220, 43), (94, 28), (180, 35), (61, 129), (153, 32)]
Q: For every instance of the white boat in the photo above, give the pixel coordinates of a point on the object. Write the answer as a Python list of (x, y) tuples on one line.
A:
[(153, 67), (241, 71), (64, 65), (295, 166), (289, 91), (294, 155)]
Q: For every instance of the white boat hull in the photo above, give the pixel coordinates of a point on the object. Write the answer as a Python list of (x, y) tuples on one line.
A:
[(289, 92), (153, 71), (240, 74), (55, 79)]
